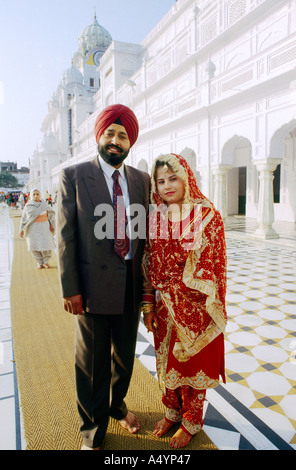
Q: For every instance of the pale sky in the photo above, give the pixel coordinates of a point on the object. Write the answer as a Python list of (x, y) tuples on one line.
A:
[(37, 42)]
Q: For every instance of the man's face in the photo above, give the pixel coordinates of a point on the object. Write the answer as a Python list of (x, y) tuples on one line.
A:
[(114, 145)]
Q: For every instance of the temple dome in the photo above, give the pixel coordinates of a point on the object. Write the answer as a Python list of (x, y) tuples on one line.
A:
[(72, 75), (93, 37), (49, 143)]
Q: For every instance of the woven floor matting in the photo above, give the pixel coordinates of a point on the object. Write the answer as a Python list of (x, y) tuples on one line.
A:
[(43, 338)]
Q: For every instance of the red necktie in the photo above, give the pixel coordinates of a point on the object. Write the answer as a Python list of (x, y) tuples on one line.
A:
[(121, 240)]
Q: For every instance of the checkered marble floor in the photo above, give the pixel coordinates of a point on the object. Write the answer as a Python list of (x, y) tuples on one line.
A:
[(256, 409)]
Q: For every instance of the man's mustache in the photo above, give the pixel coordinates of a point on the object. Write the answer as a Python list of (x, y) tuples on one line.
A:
[(113, 146)]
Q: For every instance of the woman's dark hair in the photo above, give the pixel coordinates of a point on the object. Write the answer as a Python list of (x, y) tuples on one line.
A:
[(159, 164)]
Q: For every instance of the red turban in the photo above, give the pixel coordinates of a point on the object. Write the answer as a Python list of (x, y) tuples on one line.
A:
[(111, 114)]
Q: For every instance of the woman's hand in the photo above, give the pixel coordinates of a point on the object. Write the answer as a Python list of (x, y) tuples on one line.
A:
[(73, 304), (22, 234), (151, 322)]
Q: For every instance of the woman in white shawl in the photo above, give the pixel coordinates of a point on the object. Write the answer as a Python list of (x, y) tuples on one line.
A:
[(37, 226)]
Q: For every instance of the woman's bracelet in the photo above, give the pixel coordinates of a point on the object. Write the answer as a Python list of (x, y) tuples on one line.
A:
[(147, 308), (148, 297)]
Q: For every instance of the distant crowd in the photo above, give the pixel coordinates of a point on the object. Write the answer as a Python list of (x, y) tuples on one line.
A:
[(18, 199)]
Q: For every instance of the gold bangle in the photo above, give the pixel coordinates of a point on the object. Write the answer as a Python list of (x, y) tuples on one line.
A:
[(147, 308), (143, 304)]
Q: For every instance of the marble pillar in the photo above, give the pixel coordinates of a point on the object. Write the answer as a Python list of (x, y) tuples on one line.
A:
[(265, 212)]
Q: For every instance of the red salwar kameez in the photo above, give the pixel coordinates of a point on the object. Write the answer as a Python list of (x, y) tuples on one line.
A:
[(186, 267)]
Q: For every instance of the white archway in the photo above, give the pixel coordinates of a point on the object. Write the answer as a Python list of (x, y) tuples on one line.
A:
[(277, 141), (238, 174), (143, 165)]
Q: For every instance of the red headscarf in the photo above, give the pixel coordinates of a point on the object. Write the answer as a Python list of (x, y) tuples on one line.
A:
[(111, 114)]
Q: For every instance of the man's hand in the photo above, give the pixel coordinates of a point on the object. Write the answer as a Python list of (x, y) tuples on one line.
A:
[(73, 304)]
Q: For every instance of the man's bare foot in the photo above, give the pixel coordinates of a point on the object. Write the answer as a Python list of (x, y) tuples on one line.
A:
[(180, 439), (130, 423), (162, 427)]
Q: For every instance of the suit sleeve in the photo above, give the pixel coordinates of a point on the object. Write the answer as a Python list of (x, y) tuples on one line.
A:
[(67, 239)]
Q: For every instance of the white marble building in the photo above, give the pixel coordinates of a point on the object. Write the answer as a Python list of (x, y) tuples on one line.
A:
[(214, 81)]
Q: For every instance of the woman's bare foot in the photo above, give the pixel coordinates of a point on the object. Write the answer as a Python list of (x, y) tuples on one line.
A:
[(180, 439), (130, 423), (162, 427)]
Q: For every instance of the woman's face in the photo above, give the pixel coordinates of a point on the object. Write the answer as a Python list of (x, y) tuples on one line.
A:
[(36, 196), (170, 187)]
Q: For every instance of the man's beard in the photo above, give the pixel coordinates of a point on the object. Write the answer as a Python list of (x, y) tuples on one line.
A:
[(112, 159)]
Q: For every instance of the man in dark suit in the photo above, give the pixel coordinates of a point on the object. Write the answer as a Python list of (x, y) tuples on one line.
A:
[(101, 276)]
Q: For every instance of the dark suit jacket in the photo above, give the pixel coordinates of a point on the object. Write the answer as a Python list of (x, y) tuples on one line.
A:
[(88, 265)]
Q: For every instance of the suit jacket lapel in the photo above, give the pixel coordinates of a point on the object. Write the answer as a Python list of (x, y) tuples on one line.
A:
[(96, 185)]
